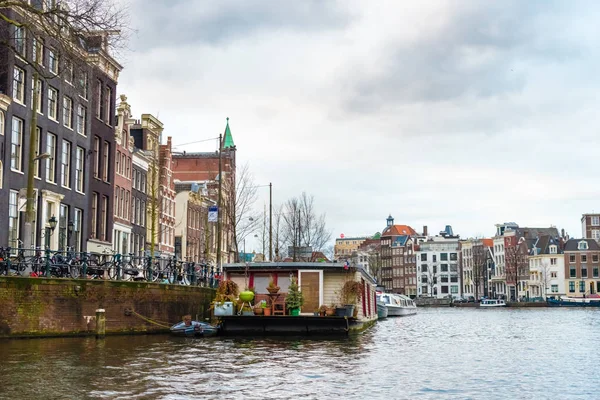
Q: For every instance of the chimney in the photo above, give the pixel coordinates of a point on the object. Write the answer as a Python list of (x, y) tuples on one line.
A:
[(562, 232), (424, 230)]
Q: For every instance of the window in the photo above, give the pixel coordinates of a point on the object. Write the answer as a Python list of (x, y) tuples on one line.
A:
[(51, 161), (582, 286), (37, 170), (13, 219), (38, 51), (94, 230), (52, 103), (434, 258), (443, 267), (77, 227), (595, 258), (107, 107), (572, 272), (584, 258), (65, 171), (21, 41), (83, 84), (584, 272), (554, 288), (596, 220), (96, 157), (68, 112), (424, 257), (16, 145), (69, 77), (79, 168), (99, 100), (118, 163), (2, 123), (105, 164), (553, 261), (104, 219), (443, 256), (582, 245), (128, 168), (39, 94), (126, 207), (595, 234), (553, 274), (19, 85), (1, 173), (453, 256), (571, 287), (553, 249), (53, 61), (81, 111), (572, 258), (63, 218)]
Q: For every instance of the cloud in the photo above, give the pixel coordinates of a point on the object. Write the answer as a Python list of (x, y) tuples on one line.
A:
[(183, 22)]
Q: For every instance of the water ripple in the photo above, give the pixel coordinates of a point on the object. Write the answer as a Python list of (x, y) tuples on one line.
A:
[(438, 354)]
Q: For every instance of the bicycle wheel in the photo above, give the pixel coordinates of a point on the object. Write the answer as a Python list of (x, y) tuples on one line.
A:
[(74, 269)]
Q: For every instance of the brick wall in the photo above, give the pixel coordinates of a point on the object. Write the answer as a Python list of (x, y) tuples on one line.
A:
[(32, 307)]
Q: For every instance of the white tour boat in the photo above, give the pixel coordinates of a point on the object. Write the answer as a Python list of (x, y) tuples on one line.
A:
[(397, 304), (492, 303)]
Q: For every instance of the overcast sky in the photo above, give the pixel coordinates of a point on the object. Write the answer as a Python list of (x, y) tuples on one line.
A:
[(466, 113)]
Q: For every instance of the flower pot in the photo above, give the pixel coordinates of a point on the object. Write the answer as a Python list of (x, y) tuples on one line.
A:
[(247, 312), (295, 312), (349, 310), (259, 311), (330, 312), (273, 290), (340, 311), (322, 313), (267, 312)]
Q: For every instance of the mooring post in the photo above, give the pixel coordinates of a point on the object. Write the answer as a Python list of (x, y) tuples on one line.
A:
[(100, 323)]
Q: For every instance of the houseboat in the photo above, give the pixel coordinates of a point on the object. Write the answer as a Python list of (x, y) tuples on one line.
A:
[(574, 302), (397, 305), (488, 303), (320, 284)]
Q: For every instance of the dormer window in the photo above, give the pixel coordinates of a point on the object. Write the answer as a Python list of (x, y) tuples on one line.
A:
[(582, 245), (553, 249)]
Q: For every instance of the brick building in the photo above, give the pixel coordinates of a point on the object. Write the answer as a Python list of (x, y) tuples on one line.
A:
[(166, 203), (194, 236), (398, 261), (590, 226), (582, 276)]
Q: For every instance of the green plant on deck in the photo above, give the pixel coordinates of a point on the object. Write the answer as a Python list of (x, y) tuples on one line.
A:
[(351, 292), (294, 298), (227, 291)]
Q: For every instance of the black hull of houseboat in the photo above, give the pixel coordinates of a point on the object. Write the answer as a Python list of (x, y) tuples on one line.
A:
[(289, 326)]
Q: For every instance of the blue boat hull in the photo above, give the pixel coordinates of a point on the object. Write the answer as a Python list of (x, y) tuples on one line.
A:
[(196, 329), (561, 303)]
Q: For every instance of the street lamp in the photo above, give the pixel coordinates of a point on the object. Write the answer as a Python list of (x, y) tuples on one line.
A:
[(52, 223)]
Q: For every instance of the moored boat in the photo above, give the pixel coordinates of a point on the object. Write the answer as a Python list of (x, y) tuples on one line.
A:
[(382, 311), (194, 329), (574, 302), (489, 303), (397, 305)]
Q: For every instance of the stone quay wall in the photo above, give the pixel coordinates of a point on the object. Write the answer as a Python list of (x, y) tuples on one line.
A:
[(43, 307)]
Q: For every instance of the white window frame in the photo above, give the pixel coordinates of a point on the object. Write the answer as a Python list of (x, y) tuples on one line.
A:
[(18, 90), (68, 112), (81, 119), (595, 221), (38, 51), (79, 170), (52, 61), (2, 123), (20, 40), (51, 161), (13, 218), (52, 100), (65, 164), (16, 145), (320, 282)]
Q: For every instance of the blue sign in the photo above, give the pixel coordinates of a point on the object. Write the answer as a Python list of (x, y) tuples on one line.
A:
[(213, 214)]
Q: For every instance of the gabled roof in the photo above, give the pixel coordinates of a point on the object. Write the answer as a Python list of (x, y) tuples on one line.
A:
[(396, 230), (533, 233), (400, 240), (488, 242)]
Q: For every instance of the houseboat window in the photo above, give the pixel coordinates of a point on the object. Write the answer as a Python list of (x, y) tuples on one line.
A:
[(261, 281), (240, 280), (283, 281)]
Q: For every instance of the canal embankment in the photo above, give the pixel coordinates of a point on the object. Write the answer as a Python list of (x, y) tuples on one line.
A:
[(47, 307)]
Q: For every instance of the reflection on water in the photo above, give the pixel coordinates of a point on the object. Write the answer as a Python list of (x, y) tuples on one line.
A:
[(437, 354)]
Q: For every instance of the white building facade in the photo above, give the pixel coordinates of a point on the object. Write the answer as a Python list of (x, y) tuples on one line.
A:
[(437, 267)]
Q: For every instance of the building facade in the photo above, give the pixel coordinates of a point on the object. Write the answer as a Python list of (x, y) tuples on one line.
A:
[(477, 267), (437, 267), (123, 200), (63, 132), (398, 260), (166, 188), (346, 246), (581, 258), (590, 226), (192, 232), (139, 201), (547, 268)]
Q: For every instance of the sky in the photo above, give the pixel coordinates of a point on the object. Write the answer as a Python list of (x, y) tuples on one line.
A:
[(462, 113)]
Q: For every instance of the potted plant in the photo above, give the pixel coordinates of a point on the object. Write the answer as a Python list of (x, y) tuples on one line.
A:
[(259, 309), (330, 311), (350, 294), (322, 310), (294, 299), (225, 297), (266, 309), (272, 288)]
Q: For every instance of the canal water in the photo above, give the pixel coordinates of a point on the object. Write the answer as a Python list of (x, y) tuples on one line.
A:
[(437, 354)]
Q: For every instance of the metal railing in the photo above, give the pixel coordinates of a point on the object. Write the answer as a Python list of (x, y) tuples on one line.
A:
[(38, 262)]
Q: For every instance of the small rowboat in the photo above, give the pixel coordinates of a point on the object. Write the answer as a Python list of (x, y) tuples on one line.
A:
[(194, 329)]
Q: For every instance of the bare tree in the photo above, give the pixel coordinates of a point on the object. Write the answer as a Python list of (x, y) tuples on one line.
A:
[(479, 260), (263, 232), (545, 276), (75, 29), (375, 264), (243, 219), (303, 227), (432, 279), (278, 237), (517, 266)]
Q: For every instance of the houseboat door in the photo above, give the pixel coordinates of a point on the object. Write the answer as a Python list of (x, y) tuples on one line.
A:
[(311, 286)]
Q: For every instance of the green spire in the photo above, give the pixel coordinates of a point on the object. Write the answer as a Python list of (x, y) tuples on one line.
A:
[(227, 138)]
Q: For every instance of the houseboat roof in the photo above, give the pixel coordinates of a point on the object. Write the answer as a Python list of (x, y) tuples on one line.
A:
[(325, 266)]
